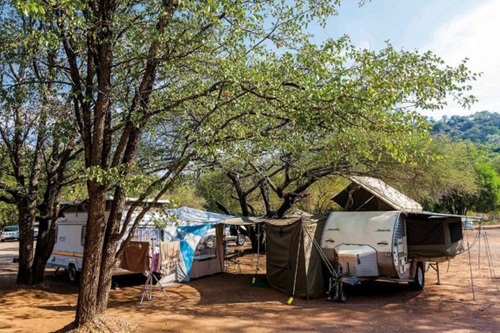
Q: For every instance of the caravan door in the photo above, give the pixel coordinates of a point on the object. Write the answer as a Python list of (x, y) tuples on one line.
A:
[(400, 248)]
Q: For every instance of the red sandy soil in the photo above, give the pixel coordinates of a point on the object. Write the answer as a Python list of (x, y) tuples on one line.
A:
[(229, 302)]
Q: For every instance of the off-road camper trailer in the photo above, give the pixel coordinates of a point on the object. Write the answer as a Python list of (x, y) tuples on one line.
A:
[(383, 234), (390, 245)]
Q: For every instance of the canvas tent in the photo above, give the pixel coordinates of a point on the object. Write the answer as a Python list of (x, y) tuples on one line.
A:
[(290, 253), (293, 263), (189, 227)]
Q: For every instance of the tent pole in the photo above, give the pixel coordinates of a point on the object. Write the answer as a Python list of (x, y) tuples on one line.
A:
[(258, 252), (489, 257), (290, 300), (334, 278), (471, 278)]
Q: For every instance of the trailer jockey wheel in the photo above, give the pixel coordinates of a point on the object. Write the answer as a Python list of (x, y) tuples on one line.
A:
[(339, 292)]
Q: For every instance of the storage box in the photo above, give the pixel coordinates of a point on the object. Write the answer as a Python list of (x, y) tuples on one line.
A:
[(358, 260)]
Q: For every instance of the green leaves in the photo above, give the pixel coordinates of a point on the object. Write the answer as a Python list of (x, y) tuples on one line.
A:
[(238, 80), (30, 8)]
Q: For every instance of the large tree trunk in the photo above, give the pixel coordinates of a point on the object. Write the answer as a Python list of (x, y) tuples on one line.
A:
[(44, 246), (89, 280), (242, 195), (49, 213), (109, 252), (264, 192), (26, 208), (97, 142), (100, 247), (288, 201)]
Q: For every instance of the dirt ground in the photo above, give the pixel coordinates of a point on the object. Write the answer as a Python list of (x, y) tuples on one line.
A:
[(229, 302)]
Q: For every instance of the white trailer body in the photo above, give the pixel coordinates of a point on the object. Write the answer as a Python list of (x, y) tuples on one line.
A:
[(70, 241), (389, 245)]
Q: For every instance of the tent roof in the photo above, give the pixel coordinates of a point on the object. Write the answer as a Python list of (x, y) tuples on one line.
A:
[(244, 220), (379, 190), (193, 215), (197, 216)]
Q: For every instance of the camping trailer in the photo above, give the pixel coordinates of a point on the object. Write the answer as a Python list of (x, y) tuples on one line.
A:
[(70, 241), (70, 238), (188, 228), (389, 245)]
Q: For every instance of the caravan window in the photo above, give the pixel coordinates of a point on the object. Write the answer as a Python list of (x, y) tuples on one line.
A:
[(428, 232), (455, 231), (82, 236)]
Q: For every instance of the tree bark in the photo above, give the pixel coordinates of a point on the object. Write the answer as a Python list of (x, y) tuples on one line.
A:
[(264, 192), (97, 142), (241, 194), (87, 298), (26, 208), (43, 250), (109, 250)]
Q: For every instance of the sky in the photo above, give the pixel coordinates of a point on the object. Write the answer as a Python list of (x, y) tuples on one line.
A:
[(452, 29)]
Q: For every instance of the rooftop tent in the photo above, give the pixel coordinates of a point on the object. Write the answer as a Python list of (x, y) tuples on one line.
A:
[(293, 263), (372, 194)]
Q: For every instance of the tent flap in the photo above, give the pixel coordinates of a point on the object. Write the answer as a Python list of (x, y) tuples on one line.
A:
[(293, 264)]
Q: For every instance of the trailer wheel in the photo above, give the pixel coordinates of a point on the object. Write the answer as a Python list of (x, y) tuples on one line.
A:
[(241, 240), (418, 282), (210, 242), (72, 273)]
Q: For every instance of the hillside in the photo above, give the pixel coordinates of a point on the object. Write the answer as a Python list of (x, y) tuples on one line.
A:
[(481, 128)]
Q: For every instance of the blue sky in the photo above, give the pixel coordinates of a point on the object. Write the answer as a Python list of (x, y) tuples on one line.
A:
[(453, 29)]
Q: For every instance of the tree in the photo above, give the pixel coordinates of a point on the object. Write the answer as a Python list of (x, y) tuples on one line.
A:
[(131, 65), (32, 130), (455, 179), (215, 188), (195, 80), (488, 199)]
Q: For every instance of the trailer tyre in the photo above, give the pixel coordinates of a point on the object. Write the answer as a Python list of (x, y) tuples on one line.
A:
[(73, 274), (210, 242), (418, 282), (241, 240)]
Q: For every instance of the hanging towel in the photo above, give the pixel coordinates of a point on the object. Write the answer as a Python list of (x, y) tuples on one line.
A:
[(169, 256), (136, 257)]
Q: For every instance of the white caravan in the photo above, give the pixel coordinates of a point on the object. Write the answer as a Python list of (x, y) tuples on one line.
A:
[(70, 240)]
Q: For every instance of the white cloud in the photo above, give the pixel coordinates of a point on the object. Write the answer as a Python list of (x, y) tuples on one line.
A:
[(473, 34)]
